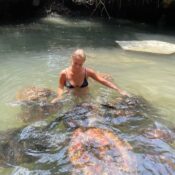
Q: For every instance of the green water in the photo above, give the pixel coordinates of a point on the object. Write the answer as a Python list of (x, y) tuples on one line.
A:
[(33, 55)]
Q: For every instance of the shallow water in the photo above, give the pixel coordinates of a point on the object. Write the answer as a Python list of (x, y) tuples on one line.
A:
[(33, 55)]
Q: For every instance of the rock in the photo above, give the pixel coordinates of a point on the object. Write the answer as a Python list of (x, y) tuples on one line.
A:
[(150, 46)]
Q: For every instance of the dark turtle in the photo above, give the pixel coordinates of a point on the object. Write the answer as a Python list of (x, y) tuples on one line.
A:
[(11, 152), (22, 145), (128, 106), (84, 140), (159, 131)]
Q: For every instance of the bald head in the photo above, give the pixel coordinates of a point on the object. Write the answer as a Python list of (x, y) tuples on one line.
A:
[(79, 54)]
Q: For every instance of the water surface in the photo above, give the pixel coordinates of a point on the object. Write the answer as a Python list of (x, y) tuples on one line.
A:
[(33, 55)]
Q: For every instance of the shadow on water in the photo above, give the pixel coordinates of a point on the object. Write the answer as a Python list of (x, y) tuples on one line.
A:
[(72, 33), (120, 135), (42, 35)]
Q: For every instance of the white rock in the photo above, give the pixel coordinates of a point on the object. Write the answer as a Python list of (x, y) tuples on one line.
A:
[(151, 46)]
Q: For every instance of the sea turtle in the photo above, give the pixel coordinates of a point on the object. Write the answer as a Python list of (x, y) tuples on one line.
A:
[(35, 94), (99, 151), (92, 144), (159, 131), (35, 102)]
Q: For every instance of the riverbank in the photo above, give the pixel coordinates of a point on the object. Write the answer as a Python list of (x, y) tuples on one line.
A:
[(159, 12)]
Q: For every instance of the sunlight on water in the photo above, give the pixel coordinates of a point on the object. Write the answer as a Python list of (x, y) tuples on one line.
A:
[(34, 54), (78, 23)]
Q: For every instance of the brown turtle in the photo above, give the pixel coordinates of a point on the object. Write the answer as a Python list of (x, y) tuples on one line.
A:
[(35, 102), (99, 151), (35, 94)]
